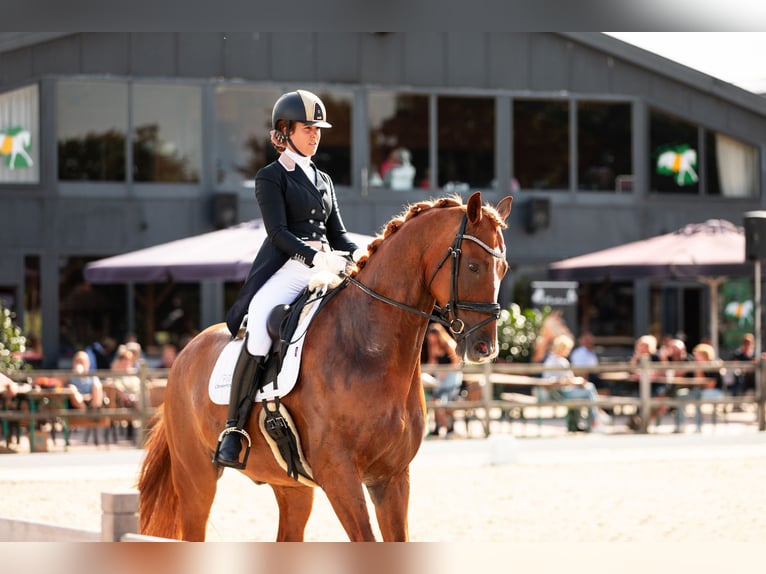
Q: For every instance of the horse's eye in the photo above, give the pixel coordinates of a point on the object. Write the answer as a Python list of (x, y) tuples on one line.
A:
[(473, 267)]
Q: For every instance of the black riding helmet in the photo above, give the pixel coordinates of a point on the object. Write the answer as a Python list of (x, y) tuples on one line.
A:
[(299, 106)]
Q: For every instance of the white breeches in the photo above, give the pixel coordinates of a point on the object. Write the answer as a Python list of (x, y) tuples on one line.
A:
[(281, 289)]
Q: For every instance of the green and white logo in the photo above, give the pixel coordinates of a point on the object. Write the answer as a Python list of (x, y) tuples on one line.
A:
[(679, 161), (15, 144)]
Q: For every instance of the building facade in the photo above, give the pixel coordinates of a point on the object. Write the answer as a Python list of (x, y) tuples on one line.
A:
[(117, 141)]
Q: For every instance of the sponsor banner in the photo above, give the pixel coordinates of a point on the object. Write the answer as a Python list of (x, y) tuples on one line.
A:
[(20, 135)]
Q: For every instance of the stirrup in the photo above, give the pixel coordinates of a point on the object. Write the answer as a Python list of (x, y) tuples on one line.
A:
[(227, 431)]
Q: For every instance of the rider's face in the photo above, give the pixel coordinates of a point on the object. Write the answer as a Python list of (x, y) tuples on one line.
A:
[(306, 138)]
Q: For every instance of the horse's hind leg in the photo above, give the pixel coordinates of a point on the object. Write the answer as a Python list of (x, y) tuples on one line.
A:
[(195, 480), (295, 504), (391, 502)]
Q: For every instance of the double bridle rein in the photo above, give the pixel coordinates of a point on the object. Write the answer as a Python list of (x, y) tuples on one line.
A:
[(448, 315)]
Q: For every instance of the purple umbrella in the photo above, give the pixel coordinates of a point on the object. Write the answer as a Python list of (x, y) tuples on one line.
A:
[(708, 252), (219, 255)]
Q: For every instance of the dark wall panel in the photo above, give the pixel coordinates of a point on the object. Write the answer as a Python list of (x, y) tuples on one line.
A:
[(60, 56), (424, 59), (106, 53), (508, 61), (153, 54), (200, 54), (338, 57), (382, 58), (247, 55), (468, 56), (15, 66), (549, 63), (591, 72), (294, 57)]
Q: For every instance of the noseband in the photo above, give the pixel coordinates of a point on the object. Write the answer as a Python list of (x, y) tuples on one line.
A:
[(448, 315)]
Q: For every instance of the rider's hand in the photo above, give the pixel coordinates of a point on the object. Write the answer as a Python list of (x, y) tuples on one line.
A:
[(329, 261)]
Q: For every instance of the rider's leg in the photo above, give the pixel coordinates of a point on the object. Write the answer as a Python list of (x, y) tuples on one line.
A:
[(245, 380), (281, 288)]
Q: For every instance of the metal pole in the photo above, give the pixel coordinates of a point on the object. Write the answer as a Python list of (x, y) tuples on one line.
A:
[(758, 346)]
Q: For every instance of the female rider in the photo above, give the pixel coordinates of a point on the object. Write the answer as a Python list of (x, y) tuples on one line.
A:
[(303, 225)]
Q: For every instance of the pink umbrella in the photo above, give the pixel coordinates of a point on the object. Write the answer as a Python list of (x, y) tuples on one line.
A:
[(218, 255), (714, 248), (708, 252)]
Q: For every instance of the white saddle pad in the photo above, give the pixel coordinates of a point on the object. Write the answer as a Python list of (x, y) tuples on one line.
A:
[(219, 387)]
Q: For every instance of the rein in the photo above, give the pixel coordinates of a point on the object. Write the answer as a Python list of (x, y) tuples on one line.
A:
[(447, 316)]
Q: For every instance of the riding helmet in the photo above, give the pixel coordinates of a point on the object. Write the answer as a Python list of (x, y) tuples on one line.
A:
[(300, 106)]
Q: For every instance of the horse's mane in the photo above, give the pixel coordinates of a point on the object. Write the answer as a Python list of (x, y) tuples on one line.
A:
[(415, 209)]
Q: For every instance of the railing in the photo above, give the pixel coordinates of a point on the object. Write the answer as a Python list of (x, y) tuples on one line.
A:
[(141, 413), (490, 374), (486, 375)]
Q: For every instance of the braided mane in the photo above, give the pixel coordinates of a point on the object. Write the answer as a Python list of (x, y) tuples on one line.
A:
[(415, 209)]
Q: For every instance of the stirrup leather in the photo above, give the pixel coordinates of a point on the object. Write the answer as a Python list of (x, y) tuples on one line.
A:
[(243, 434)]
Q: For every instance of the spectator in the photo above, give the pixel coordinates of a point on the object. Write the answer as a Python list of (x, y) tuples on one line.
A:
[(744, 381), (565, 385), (713, 387), (439, 349), (88, 392), (169, 353), (585, 355)]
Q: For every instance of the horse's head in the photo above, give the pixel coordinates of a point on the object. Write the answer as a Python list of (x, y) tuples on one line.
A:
[(466, 280)]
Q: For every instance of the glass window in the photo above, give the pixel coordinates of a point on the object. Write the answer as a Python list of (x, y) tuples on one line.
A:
[(399, 150), (167, 134), (731, 166), (334, 154), (603, 145), (541, 144), (673, 154), (243, 145), (91, 127), (466, 142), (20, 135)]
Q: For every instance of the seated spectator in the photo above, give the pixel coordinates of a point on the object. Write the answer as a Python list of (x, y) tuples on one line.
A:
[(88, 391), (125, 379), (563, 384), (713, 387), (744, 380), (584, 355), (439, 349)]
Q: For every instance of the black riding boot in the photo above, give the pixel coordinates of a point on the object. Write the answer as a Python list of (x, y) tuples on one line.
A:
[(245, 380)]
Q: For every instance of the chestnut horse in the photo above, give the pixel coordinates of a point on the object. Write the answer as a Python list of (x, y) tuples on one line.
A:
[(358, 405)]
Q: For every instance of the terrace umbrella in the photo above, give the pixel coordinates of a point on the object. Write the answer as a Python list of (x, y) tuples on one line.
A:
[(218, 255), (708, 252)]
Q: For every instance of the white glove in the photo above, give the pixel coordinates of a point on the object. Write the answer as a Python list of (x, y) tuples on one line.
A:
[(358, 254), (329, 261)]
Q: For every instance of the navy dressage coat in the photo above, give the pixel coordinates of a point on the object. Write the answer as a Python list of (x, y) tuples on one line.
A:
[(294, 211)]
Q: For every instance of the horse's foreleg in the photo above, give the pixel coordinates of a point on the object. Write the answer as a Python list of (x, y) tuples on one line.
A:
[(295, 504), (344, 491), (391, 501)]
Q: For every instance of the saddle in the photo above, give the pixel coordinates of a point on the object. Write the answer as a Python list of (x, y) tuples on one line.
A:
[(275, 421)]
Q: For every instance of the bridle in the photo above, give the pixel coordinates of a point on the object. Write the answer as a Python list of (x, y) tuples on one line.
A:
[(448, 315)]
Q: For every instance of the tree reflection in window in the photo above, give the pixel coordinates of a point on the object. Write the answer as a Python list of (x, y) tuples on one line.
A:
[(91, 128), (466, 142), (541, 144), (167, 134), (603, 145)]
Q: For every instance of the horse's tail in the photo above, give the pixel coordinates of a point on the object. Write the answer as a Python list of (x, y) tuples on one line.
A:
[(157, 500)]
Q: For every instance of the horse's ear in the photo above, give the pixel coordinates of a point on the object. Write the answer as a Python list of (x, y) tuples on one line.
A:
[(473, 210), (504, 207)]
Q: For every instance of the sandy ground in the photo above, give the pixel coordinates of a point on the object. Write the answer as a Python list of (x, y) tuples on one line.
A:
[(655, 488)]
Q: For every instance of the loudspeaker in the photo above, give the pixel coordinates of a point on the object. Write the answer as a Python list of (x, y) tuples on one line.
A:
[(225, 209), (538, 214), (755, 235)]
